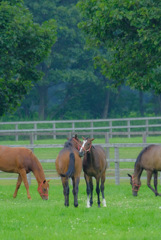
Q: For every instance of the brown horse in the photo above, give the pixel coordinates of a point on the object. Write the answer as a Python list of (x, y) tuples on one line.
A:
[(69, 165), (94, 165), (150, 160), (22, 160)]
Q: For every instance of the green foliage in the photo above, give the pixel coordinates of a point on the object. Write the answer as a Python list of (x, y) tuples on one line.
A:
[(24, 45), (130, 31)]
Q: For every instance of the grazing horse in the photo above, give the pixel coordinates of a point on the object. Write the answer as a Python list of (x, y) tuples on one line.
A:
[(150, 160), (94, 165), (22, 160), (69, 165)]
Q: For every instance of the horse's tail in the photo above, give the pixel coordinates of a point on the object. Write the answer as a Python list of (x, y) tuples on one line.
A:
[(71, 167)]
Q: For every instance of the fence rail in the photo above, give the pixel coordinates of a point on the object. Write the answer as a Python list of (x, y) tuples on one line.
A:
[(117, 160), (103, 127)]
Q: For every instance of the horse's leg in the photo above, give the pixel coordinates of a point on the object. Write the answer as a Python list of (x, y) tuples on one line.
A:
[(24, 179), (75, 190), (65, 190), (19, 181), (91, 190), (98, 190), (156, 183), (102, 189), (149, 176), (87, 189)]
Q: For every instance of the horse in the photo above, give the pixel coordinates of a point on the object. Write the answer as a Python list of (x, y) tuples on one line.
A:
[(150, 160), (69, 165), (94, 165), (21, 160)]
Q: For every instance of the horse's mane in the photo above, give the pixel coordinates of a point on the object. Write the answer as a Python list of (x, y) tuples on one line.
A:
[(142, 152), (68, 144)]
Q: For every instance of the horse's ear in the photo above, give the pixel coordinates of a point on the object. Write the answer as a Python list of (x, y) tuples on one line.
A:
[(129, 175), (92, 139), (48, 181), (83, 138), (76, 137)]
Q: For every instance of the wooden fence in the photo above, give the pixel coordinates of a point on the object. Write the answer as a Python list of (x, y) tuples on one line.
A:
[(94, 128), (128, 126), (117, 160)]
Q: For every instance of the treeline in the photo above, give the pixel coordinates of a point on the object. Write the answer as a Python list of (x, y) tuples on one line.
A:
[(73, 86)]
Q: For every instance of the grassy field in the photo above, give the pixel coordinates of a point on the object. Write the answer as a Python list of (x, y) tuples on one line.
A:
[(125, 217)]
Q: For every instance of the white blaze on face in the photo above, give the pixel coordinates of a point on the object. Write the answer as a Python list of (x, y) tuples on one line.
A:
[(84, 142)]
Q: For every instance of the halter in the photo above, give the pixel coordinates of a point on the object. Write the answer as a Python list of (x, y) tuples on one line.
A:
[(41, 191), (134, 184), (79, 145), (88, 150)]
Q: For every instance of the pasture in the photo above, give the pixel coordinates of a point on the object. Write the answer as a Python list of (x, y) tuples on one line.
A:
[(125, 217)]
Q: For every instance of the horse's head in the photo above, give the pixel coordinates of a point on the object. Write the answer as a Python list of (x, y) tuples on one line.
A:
[(76, 142), (86, 145), (43, 189), (135, 185)]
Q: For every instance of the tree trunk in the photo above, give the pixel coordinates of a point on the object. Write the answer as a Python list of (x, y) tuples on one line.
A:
[(106, 106), (42, 102), (141, 103)]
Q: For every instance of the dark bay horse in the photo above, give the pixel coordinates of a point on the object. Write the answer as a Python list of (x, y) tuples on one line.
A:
[(150, 160), (94, 165), (22, 160), (69, 165)]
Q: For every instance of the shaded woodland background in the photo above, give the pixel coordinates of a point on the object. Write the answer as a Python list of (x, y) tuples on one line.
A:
[(72, 86)]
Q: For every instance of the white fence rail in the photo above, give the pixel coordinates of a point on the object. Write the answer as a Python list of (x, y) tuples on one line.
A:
[(114, 126), (107, 127), (117, 160)]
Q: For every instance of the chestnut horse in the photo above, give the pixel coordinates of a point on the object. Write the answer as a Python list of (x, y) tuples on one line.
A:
[(150, 160), (94, 165), (69, 165), (22, 160)]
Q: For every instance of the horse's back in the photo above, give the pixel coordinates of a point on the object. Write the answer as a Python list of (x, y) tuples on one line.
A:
[(11, 159), (151, 158), (63, 158)]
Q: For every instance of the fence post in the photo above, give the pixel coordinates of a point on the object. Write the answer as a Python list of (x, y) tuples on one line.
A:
[(144, 137), (117, 165), (91, 129), (73, 127), (110, 123), (32, 149), (35, 128), (128, 124), (54, 136), (147, 127), (16, 127), (107, 150)]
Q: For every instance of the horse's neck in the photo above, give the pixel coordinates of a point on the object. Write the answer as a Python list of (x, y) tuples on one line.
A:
[(137, 172), (90, 156), (38, 171)]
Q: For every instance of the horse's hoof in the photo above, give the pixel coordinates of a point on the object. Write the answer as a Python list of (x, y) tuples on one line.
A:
[(104, 203), (99, 206), (75, 205)]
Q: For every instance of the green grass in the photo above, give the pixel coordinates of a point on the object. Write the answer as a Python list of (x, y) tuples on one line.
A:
[(125, 218)]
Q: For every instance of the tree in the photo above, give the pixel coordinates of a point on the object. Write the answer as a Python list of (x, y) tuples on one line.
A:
[(23, 45), (130, 31), (69, 64)]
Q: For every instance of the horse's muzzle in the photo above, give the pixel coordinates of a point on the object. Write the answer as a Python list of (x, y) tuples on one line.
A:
[(81, 154), (134, 193)]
